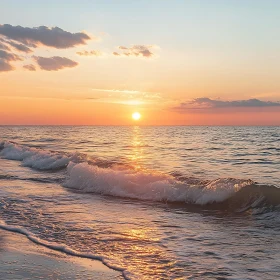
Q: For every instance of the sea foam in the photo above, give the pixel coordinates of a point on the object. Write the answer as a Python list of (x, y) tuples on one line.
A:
[(34, 158), (122, 182), (149, 186), (59, 247)]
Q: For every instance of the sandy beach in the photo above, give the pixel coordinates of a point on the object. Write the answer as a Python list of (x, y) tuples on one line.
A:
[(22, 259)]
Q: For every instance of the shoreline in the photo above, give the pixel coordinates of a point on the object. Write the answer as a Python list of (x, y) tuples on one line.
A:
[(22, 259)]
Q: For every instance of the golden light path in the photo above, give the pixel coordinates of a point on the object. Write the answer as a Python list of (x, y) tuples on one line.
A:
[(136, 116)]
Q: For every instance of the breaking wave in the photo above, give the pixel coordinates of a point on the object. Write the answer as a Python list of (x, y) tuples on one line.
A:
[(149, 186), (86, 175), (33, 157)]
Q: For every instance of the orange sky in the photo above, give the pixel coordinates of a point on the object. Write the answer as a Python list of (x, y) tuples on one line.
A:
[(219, 67), (73, 112)]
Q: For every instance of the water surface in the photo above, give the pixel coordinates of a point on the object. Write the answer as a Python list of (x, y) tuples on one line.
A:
[(155, 202)]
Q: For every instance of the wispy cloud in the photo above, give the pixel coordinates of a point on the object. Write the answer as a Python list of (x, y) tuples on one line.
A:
[(5, 59), (54, 63), (136, 99), (9, 56), (29, 67), (48, 36), (5, 66), (131, 93), (118, 90), (4, 46), (19, 47), (89, 53), (19, 39), (127, 96), (146, 51), (66, 98), (208, 103)]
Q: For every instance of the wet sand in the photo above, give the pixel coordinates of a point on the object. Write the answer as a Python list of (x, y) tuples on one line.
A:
[(21, 259)]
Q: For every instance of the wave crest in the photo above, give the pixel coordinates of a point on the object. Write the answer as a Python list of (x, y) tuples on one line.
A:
[(34, 158), (109, 178), (149, 186)]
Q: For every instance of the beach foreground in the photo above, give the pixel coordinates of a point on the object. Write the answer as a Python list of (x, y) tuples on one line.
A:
[(22, 259)]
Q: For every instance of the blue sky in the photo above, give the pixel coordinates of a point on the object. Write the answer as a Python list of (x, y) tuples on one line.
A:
[(170, 22)]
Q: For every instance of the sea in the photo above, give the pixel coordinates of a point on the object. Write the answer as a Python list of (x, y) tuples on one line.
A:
[(153, 202)]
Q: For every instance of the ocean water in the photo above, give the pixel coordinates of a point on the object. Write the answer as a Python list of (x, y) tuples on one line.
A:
[(153, 202)]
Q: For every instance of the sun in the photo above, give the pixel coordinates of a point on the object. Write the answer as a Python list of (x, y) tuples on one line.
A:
[(136, 116)]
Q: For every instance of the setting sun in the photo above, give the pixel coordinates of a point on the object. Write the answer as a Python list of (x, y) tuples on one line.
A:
[(136, 116)]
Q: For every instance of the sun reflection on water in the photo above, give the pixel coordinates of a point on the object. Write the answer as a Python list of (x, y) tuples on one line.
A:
[(137, 149)]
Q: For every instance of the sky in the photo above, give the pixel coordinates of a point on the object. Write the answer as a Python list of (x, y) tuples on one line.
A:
[(176, 62)]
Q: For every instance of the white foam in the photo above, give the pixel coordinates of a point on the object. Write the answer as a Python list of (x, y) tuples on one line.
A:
[(221, 189), (124, 182), (57, 247), (34, 158), (148, 186)]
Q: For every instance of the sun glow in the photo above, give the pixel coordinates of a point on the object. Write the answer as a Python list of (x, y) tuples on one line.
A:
[(136, 116)]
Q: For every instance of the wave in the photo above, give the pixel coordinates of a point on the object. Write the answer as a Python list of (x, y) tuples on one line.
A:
[(39, 159), (33, 157), (94, 176), (264, 198), (59, 247), (47, 139), (222, 193), (39, 180)]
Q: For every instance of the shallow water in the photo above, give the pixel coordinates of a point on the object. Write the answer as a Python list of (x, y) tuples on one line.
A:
[(22, 260), (155, 202)]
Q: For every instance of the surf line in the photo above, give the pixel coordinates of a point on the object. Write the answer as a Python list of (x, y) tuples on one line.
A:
[(60, 248)]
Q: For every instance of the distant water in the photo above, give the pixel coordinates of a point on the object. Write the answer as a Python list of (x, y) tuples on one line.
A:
[(154, 202)]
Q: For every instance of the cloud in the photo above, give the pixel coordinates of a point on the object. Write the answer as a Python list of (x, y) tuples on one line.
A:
[(9, 56), (26, 39), (4, 46), (136, 51), (127, 97), (117, 91), (19, 47), (29, 67), (89, 53), (207, 103), (5, 59), (48, 36), (54, 63), (5, 66), (66, 98), (130, 93)]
